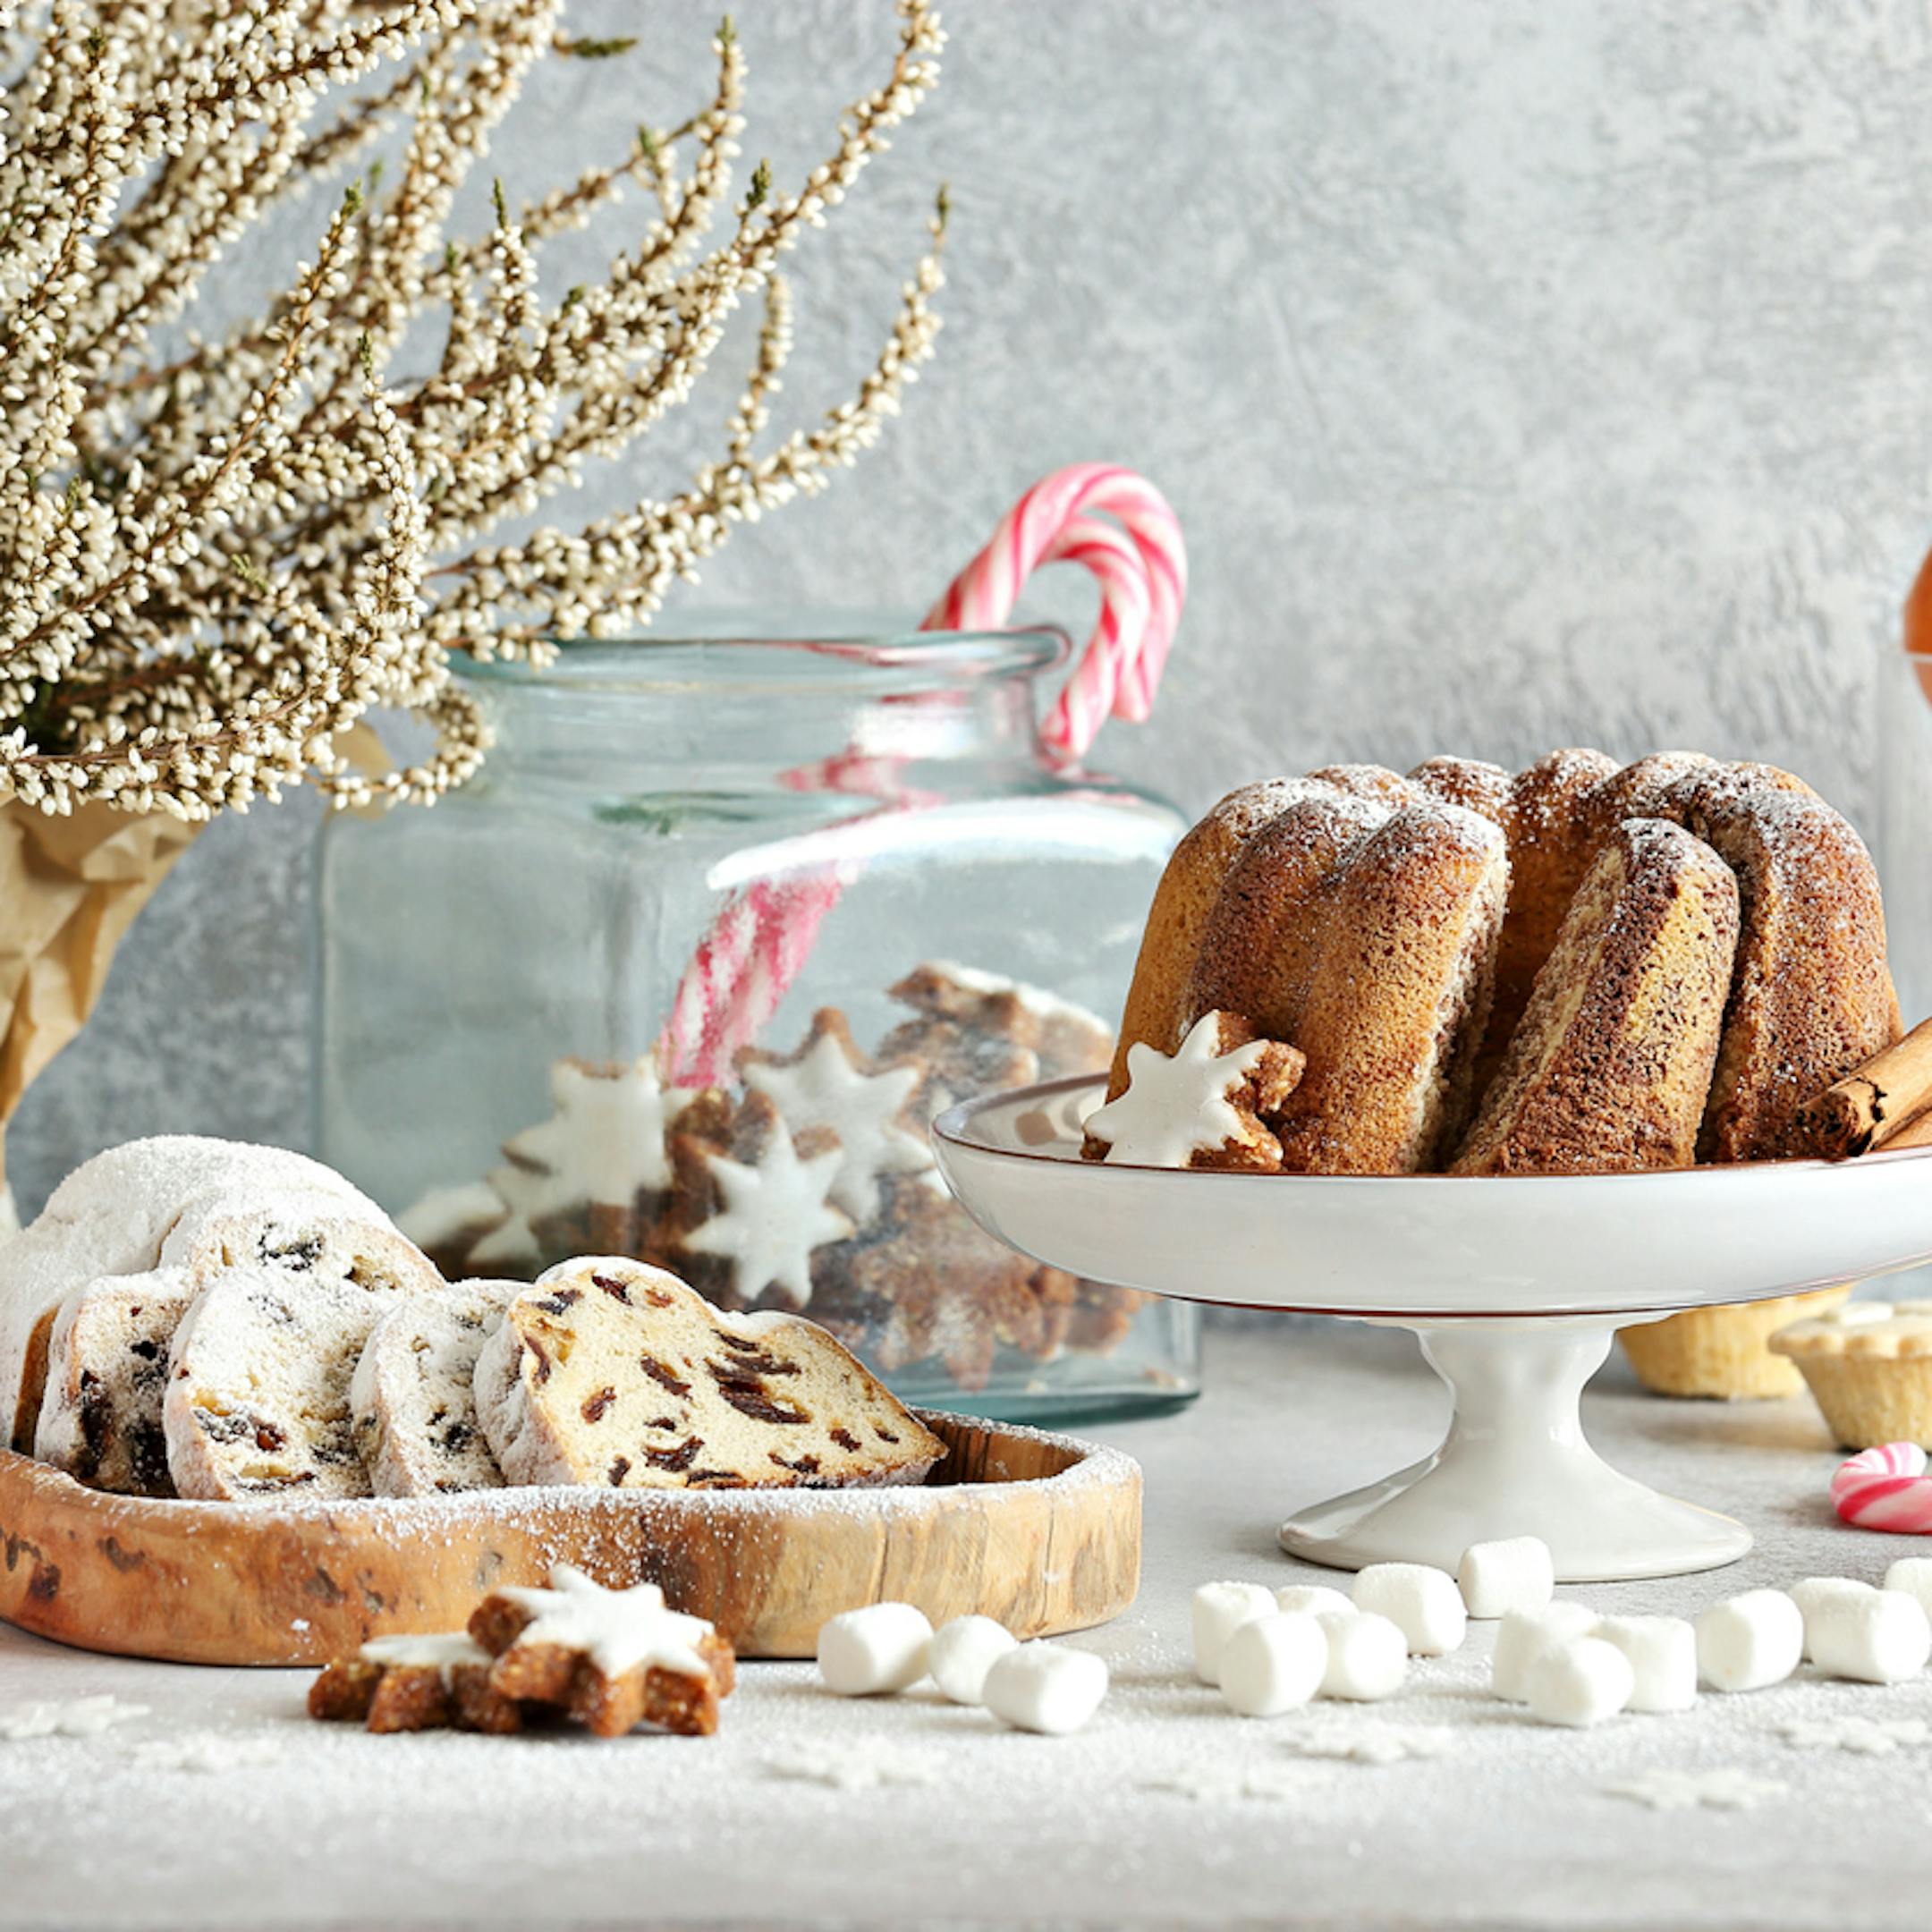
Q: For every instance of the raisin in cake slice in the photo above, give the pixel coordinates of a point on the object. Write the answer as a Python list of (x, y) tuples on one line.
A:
[(413, 1398), (608, 1371), (111, 1216), (304, 1234), (259, 1374), (107, 1365), (107, 1354)]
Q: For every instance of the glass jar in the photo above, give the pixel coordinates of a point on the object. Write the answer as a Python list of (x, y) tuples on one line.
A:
[(684, 972)]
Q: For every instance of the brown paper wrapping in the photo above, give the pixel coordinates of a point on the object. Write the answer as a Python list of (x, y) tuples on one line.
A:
[(69, 889)]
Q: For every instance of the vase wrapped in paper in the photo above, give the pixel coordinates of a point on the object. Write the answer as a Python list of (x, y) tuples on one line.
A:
[(216, 557), (70, 887)]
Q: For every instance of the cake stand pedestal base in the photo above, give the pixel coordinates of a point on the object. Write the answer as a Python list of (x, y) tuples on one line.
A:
[(1515, 1462)]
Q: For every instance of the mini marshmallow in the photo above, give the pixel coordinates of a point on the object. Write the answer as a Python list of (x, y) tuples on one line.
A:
[(1511, 1573), (1523, 1635), (963, 1651), (1815, 1592), (1913, 1575), (1275, 1664), (1220, 1609), (1422, 1602), (881, 1647), (1578, 1683), (1749, 1641), (1881, 1636), (1311, 1599), (1662, 1659), (1046, 1687), (1367, 1656)]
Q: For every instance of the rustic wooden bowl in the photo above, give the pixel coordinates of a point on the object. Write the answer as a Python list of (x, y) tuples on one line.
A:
[(1041, 1531)]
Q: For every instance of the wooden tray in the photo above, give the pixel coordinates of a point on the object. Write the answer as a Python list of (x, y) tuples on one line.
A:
[(1040, 1531)]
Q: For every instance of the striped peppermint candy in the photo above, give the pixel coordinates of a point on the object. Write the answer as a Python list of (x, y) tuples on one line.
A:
[(1120, 666), (1885, 1489), (742, 970)]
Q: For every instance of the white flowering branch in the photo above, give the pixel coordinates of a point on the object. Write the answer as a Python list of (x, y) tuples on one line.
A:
[(214, 561)]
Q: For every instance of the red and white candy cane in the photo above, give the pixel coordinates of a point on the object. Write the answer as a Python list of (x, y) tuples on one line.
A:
[(762, 936), (1119, 667), (740, 972), (1885, 1489)]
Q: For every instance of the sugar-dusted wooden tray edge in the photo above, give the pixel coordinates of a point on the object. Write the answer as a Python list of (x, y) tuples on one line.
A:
[(1041, 1531)]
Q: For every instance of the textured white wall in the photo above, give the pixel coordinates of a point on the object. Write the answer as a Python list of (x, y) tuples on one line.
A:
[(1526, 372)]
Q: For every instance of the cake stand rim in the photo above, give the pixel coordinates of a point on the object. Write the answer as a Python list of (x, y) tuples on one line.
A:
[(951, 1126), (1501, 1248)]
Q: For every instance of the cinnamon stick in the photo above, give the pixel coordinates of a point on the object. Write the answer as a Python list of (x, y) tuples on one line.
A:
[(1876, 1103), (1914, 1133)]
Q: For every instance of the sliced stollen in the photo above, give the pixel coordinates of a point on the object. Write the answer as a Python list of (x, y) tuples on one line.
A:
[(259, 1374), (611, 1372), (107, 1371), (298, 1233), (101, 1416), (110, 1216), (413, 1396)]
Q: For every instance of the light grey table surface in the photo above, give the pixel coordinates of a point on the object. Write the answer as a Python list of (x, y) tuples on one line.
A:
[(224, 1805)]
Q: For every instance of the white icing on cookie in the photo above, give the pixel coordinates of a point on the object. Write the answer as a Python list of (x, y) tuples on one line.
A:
[(436, 1650), (605, 1140), (823, 1089), (775, 1213), (616, 1630), (512, 1243), (447, 1213), (1177, 1107)]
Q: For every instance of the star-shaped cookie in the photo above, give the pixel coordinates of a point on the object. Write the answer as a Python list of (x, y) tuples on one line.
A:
[(613, 1658), (1206, 1105), (828, 1083), (772, 1205), (1067, 1039), (604, 1143)]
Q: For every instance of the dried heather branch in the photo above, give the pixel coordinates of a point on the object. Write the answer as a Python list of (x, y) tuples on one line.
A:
[(212, 563)]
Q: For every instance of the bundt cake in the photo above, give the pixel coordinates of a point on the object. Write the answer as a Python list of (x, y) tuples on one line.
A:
[(1429, 944)]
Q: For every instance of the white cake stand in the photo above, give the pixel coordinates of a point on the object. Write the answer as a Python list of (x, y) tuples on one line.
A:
[(1516, 1286)]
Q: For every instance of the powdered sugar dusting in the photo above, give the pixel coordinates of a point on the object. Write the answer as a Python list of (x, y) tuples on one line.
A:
[(205, 1753), (865, 1767), (1729, 1788), (78, 1717), (1870, 1737), (1366, 1743)]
